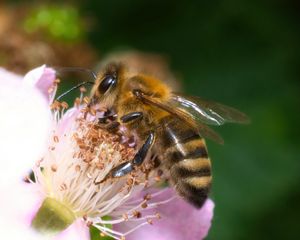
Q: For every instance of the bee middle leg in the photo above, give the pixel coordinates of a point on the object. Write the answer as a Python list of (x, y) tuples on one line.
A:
[(113, 124), (127, 167), (133, 116)]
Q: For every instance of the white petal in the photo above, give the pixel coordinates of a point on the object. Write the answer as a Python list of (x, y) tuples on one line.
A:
[(13, 232), (4, 74), (24, 128), (17, 207), (77, 231)]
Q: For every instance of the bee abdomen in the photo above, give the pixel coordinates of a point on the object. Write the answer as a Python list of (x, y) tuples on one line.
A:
[(185, 156), (195, 190), (192, 178), (190, 170)]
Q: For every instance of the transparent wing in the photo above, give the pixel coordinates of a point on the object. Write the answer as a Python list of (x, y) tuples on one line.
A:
[(186, 117), (208, 112)]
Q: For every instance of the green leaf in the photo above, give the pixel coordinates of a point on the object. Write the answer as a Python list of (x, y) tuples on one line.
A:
[(95, 232)]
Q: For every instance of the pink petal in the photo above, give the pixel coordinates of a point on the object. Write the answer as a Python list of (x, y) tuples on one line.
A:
[(42, 78), (179, 221), (77, 231), (67, 120)]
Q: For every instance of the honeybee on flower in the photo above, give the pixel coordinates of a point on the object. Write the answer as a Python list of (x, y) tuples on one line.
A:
[(65, 173)]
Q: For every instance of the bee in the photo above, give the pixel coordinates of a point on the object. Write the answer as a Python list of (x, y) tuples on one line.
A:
[(169, 125)]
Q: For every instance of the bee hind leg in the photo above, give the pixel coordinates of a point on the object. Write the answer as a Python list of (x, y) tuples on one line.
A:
[(127, 167)]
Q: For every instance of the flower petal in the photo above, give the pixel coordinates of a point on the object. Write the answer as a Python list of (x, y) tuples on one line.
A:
[(24, 126), (14, 232), (42, 78), (4, 74), (18, 204), (77, 231), (179, 220)]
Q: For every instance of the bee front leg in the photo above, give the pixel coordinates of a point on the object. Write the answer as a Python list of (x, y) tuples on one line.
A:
[(109, 121), (127, 167)]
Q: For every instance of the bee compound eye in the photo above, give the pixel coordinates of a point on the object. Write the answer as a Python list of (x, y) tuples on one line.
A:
[(107, 82)]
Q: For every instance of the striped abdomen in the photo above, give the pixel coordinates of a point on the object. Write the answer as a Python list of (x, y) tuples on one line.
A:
[(185, 156)]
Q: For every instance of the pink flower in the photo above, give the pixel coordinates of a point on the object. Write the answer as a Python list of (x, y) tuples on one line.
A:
[(57, 146), (179, 221)]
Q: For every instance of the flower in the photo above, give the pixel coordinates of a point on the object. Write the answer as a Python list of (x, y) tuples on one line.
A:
[(70, 188)]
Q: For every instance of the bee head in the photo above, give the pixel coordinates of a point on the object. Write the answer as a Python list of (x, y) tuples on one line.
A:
[(106, 85), (108, 82)]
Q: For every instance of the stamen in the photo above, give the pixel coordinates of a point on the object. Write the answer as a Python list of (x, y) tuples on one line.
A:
[(135, 228)]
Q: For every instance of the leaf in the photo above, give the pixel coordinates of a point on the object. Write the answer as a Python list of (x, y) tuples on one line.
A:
[(95, 232)]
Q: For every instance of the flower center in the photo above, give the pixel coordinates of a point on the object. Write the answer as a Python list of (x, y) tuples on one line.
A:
[(52, 217)]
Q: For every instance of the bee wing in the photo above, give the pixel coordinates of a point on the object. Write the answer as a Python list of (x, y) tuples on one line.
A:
[(172, 108), (209, 112)]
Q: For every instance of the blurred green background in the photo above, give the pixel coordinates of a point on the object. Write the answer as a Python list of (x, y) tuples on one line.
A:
[(242, 53)]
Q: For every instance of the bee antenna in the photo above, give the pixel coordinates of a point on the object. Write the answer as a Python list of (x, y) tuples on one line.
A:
[(73, 88), (76, 69)]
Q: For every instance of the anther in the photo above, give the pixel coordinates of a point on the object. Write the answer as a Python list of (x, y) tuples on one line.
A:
[(82, 89), (125, 217), (55, 139), (144, 205), (137, 214), (53, 167), (150, 221), (86, 100), (147, 197), (64, 105)]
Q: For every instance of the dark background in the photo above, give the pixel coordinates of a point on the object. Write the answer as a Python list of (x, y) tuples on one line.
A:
[(242, 53)]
